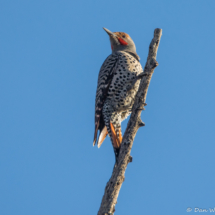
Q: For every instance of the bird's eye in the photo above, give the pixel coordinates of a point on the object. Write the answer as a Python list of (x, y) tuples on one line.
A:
[(123, 36)]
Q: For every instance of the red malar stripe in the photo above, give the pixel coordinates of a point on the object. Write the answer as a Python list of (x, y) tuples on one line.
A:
[(122, 42)]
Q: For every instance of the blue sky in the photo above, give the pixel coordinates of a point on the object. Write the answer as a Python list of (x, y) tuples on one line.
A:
[(51, 53)]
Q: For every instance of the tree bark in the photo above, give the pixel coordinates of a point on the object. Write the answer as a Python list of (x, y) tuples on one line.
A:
[(113, 186)]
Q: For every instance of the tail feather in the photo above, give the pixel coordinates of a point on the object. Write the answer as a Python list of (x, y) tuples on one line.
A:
[(102, 136), (117, 139), (95, 134)]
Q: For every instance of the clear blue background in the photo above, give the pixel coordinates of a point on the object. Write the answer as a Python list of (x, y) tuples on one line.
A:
[(50, 56)]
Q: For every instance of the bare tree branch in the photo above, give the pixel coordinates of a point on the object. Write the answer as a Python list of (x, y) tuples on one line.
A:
[(113, 186)]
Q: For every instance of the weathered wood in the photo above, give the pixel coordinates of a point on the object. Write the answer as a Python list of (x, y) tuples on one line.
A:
[(113, 186)]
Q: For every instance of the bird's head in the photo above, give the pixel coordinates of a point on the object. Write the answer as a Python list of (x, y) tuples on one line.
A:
[(121, 41)]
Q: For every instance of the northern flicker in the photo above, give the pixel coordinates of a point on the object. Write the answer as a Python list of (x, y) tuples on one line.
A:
[(113, 99)]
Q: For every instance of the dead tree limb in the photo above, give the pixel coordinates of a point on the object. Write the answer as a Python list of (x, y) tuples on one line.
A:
[(113, 186)]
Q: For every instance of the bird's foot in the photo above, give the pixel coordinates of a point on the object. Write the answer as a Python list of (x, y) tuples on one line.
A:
[(129, 87), (141, 75)]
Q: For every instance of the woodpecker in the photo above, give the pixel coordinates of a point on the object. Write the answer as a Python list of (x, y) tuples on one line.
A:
[(113, 99)]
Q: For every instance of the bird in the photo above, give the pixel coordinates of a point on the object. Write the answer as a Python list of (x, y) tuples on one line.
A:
[(114, 101)]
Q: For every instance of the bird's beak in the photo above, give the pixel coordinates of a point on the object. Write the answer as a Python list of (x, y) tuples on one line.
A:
[(109, 32)]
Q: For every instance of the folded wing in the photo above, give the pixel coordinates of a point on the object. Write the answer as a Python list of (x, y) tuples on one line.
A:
[(105, 77)]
